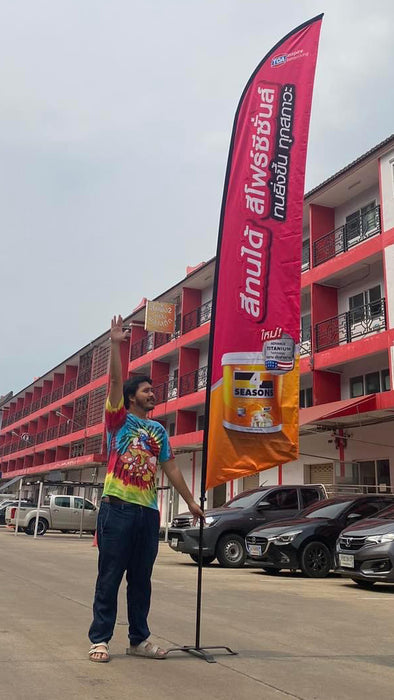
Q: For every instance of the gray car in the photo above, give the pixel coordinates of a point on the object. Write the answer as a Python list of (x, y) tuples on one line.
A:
[(365, 552), (226, 527)]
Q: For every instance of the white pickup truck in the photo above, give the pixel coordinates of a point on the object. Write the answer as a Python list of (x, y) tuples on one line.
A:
[(62, 513)]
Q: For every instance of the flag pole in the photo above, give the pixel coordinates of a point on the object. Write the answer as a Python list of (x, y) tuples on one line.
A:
[(197, 650)]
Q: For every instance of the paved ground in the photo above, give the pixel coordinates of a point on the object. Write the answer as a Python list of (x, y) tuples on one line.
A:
[(296, 638)]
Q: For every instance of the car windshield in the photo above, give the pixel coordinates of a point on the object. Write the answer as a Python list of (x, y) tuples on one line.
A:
[(329, 510), (245, 500)]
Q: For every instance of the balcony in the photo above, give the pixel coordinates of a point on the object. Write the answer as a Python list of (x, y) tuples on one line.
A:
[(194, 381), (347, 236), (351, 325), (197, 317), (192, 320), (166, 391), (141, 347)]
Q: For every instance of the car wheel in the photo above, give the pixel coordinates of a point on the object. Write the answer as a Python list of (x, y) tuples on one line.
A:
[(231, 551), (272, 571), (316, 560), (205, 560), (368, 585), (41, 529)]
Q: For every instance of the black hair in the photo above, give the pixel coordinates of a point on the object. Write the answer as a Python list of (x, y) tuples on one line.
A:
[(130, 387)]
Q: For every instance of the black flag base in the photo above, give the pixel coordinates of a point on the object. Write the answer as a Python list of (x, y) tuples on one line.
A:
[(201, 652)]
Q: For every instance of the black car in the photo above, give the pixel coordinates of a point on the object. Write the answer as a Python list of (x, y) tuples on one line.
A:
[(308, 541), (226, 527), (365, 552)]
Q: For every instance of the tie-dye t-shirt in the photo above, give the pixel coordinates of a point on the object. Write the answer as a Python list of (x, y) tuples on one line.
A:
[(135, 446)]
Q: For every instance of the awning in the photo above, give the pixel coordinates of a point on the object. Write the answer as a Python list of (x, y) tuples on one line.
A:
[(337, 409)]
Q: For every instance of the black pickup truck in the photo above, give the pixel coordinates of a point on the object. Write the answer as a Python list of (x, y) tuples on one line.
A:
[(226, 527)]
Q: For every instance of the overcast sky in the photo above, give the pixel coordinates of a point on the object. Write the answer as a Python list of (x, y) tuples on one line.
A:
[(115, 120)]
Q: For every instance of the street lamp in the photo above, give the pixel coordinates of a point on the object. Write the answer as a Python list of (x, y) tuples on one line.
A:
[(70, 420)]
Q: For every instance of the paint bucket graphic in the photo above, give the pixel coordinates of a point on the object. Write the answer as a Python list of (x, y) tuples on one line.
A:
[(251, 395)]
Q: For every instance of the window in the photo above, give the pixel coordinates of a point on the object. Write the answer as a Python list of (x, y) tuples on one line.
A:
[(364, 510), (385, 376), (356, 387), (78, 503), (306, 398), (62, 502), (283, 499), (309, 496), (365, 303), (360, 224), (368, 218), (171, 429), (305, 255), (372, 383), (305, 327), (383, 472), (200, 422), (356, 308)]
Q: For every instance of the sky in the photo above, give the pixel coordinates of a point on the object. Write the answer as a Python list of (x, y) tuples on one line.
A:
[(115, 122)]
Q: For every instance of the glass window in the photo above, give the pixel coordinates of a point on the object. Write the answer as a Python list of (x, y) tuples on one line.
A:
[(385, 375), (373, 298), (372, 383), (383, 470), (245, 500), (302, 398), (369, 217), (283, 499), (356, 308), (365, 509), (308, 397), (309, 496), (78, 503), (305, 254), (330, 510), (356, 387), (305, 327), (352, 227), (200, 422), (62, 502)]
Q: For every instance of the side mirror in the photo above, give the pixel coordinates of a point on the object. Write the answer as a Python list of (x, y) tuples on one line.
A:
[(263, 505), (353, 516)]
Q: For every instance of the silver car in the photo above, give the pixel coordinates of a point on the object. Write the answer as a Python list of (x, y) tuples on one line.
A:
[(365, 552)]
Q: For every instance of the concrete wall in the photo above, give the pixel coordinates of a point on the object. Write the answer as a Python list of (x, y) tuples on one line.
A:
[(351, 205), (387, 188)]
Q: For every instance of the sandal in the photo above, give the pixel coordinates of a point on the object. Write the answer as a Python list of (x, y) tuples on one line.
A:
[(100, 648), (147, 649)]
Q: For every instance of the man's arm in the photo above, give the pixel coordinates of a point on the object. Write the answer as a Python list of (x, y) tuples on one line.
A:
[(175, 475), (117, 336)]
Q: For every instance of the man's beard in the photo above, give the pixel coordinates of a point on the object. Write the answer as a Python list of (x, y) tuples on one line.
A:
[(143, 405)]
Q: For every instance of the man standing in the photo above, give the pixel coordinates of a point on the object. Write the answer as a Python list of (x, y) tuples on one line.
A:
[(128, 521)]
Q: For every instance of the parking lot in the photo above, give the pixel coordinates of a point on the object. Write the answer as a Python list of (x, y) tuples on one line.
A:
[(296, 637)]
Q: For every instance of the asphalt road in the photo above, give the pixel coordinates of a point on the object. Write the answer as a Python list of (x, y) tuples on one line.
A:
[(295, 637)]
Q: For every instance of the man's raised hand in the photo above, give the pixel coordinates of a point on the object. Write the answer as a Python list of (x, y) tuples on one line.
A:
[(117, 334)]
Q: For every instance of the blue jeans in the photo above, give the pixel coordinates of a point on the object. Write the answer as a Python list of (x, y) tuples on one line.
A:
[(128, 539)]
